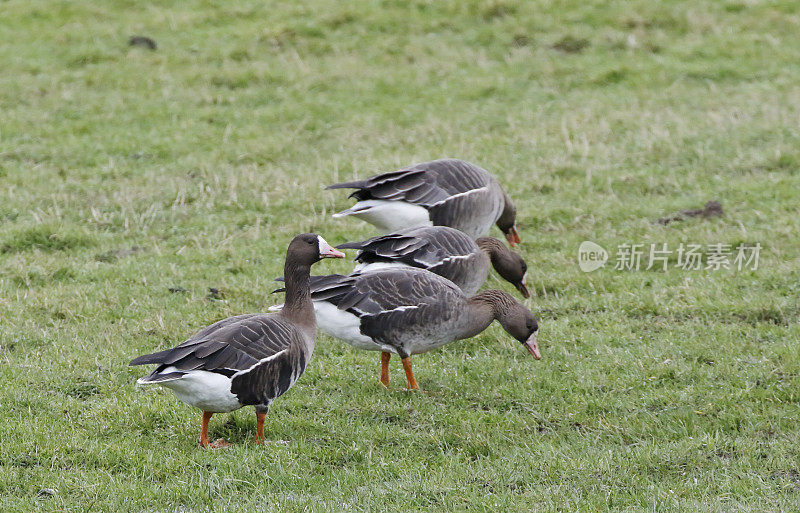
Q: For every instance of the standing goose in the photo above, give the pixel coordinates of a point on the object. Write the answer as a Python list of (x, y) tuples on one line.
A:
[(444, 251), (447, 192), (410, 311), (248, 359)]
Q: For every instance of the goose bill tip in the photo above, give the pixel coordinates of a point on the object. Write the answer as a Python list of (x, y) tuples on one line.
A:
[(523, 289), (533, 347), (513, 237), (331, 253)]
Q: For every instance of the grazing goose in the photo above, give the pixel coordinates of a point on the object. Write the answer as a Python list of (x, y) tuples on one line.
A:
[(248, 359), (447, 192), (409, 311), (444, 251)]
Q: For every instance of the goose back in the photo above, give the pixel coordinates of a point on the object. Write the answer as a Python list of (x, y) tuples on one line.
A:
[(441, 250), (456, 193), (407, 311)]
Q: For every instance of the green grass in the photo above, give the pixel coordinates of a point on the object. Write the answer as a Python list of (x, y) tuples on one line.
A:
[(125, 172)]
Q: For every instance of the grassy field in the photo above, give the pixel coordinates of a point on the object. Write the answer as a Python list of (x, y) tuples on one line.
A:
[(126, 172)]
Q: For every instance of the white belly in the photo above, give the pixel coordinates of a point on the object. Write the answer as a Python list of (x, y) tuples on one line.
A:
[(342, 325), (389, 216), (208, 391), (375, 266)]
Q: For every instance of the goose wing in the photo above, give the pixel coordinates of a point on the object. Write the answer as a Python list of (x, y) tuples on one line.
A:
[(227, 346), (260, 353), (428, 184), (391, 302), (424, 247)]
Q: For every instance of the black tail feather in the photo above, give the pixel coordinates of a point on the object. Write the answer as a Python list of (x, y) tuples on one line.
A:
[(354, 245), (155, 377), (146, 359), (347, 185)]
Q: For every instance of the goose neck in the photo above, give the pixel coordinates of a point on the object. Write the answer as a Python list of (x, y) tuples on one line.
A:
[(298, 306), (481, 311)]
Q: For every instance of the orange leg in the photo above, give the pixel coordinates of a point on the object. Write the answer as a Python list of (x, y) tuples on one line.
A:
[(385, 368), (412, 383), (204, 429), (216, 444), (260, 427)]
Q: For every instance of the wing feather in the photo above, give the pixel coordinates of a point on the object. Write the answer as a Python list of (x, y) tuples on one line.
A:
[(236, 343), (427, 184), (423, 247)]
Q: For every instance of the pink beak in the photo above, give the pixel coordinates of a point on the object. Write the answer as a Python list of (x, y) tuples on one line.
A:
[(533, 347), (328, 251)]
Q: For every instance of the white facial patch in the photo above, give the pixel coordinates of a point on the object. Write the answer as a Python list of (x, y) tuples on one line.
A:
[(326, 250)]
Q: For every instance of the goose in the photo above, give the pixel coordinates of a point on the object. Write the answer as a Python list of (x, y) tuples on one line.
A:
[(408, 311), (444, 251), (249, 359), (446, 192)]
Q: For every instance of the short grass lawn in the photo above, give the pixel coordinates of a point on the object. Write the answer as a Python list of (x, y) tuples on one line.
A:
[(133, 180)]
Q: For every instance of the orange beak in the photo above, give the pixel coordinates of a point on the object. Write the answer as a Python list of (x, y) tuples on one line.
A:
[(513, 237)]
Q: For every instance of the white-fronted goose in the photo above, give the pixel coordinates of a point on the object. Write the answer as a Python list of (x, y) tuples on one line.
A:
[(248, 359), (447, 192), (444, 251), (409, 311)]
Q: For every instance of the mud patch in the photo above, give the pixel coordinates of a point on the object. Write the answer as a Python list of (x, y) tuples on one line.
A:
[(711, 209), (116, 254), (571, 44)]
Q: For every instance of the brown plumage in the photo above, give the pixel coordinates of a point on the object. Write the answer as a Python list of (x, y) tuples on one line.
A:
[(445, 251), (446, 192), (409, 311), (248, 359)]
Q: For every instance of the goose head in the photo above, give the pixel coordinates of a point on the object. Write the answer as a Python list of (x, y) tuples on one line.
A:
[(520, 323), (517, 320), (508, 264), (308, 248)]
